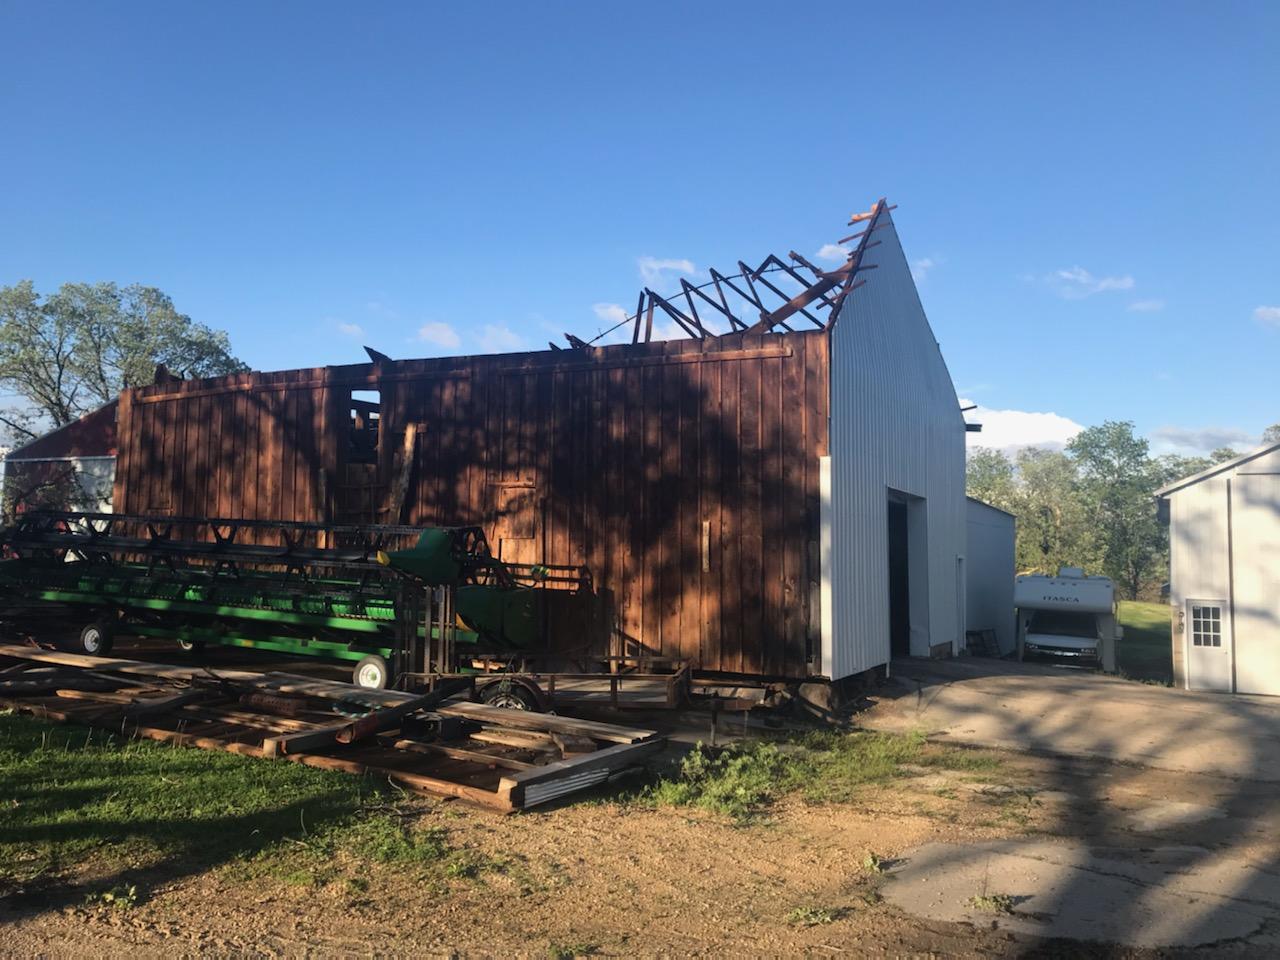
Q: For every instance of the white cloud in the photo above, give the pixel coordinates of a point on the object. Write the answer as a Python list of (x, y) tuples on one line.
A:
[(834, 252), (1146, 306), (1076, 283), (1267, 315), (653, 270), (351, 329), (1011, 430), (500, 339), (439, 335), (610, 313), (1196, 441), (920, 268), (668, 329)]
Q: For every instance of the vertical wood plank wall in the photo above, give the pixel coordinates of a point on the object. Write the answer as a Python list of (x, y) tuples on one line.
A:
[(682, 474)]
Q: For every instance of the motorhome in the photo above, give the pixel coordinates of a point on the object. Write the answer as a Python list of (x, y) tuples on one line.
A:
[(1067, 617)]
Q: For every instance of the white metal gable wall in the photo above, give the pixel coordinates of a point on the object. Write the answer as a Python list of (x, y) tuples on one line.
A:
[(1229, 553), (895, 423)]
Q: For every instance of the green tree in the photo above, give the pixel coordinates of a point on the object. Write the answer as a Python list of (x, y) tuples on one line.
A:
[(1271, 434), (989, 477), (1117, 478), (76, 349), (1053, 525)]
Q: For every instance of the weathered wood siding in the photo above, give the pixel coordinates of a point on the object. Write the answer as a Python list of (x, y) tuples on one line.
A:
[(682, 474)]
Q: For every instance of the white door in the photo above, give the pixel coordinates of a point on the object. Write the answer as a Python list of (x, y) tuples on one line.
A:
[(1208, 645)]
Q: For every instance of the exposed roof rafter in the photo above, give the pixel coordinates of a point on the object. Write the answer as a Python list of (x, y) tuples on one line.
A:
[(825, 292)]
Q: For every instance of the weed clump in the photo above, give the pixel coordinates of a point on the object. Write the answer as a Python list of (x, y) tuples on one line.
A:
[(822, 767), (735, 782), (813, 916), (120, 897), (993, 903), (385, 839)]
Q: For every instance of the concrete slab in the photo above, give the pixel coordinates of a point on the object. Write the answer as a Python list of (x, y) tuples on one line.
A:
[(1169, 896), (1076, 713), (1169, 814)]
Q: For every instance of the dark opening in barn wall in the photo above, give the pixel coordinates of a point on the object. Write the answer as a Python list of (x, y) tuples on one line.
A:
[(899, 581)]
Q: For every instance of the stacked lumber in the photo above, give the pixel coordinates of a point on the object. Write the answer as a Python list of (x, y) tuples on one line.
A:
[(502, 759)]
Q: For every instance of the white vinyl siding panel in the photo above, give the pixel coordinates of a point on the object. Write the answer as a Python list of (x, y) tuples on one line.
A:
[(895, 424)]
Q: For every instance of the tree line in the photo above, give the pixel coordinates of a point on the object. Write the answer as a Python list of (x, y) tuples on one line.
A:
[(1090, 505), (71, 351), (66, 353)]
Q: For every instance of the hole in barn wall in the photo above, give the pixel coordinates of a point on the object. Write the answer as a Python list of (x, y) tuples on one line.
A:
[(365, 420)]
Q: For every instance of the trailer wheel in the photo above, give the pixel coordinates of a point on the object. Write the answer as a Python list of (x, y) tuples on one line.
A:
[(96, 639), (512, 696), (372, 673)]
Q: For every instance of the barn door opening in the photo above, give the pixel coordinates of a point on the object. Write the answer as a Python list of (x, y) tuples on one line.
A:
[(908, 558), (899, 582)]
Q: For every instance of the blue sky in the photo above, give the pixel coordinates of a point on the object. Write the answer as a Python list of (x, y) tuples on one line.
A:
[(1089, 190)]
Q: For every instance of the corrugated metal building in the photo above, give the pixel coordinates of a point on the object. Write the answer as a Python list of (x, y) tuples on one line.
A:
[(990, 567), (1224, 574), (896, 512), (762, 503)]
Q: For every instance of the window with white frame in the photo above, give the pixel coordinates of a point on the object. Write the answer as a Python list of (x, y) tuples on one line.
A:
[(1206, 626)]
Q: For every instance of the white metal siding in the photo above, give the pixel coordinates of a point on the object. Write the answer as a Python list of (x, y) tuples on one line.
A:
[(1197, 554), (1255, 543), (989, 560), (895, 423), (1206, 553)]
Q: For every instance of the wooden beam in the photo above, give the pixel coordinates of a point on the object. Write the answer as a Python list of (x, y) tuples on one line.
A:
[(545, 722), (403, 472), (460, 753)]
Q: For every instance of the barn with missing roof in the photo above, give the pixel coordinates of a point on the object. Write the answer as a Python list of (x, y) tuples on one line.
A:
[(778, 493)]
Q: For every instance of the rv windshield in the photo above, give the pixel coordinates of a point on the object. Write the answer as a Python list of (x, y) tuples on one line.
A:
[(1063, 623)]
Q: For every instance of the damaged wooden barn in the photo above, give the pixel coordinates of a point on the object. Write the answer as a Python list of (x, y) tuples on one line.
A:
[(776, 493)]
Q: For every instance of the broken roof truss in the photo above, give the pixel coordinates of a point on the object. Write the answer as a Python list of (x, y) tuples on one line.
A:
[(825, 290)]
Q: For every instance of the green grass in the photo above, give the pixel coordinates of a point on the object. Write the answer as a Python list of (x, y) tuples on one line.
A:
[(822, 767), (73, 799), (813, 916), (1145, 651), (993, 903)]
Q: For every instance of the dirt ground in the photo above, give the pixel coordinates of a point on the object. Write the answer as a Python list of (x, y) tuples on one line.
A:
[(608, 879)]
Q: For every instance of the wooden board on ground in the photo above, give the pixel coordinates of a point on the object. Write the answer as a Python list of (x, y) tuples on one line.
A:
[(506, 760)]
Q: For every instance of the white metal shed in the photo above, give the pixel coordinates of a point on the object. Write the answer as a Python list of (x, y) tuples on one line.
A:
[(1224, 574)]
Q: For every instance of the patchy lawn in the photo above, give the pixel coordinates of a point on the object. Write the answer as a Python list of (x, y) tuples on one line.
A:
[(779, 847), (101, 818), (1145, 651)]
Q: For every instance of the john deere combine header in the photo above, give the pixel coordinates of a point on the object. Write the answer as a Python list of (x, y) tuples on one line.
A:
[(396, 600)]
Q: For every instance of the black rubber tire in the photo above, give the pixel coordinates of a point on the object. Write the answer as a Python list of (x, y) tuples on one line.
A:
[(372, 672), (190, 646), (513, 696), (96, 639)]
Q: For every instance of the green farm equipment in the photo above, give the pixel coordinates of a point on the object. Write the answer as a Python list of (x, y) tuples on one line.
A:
[(399, 601)]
